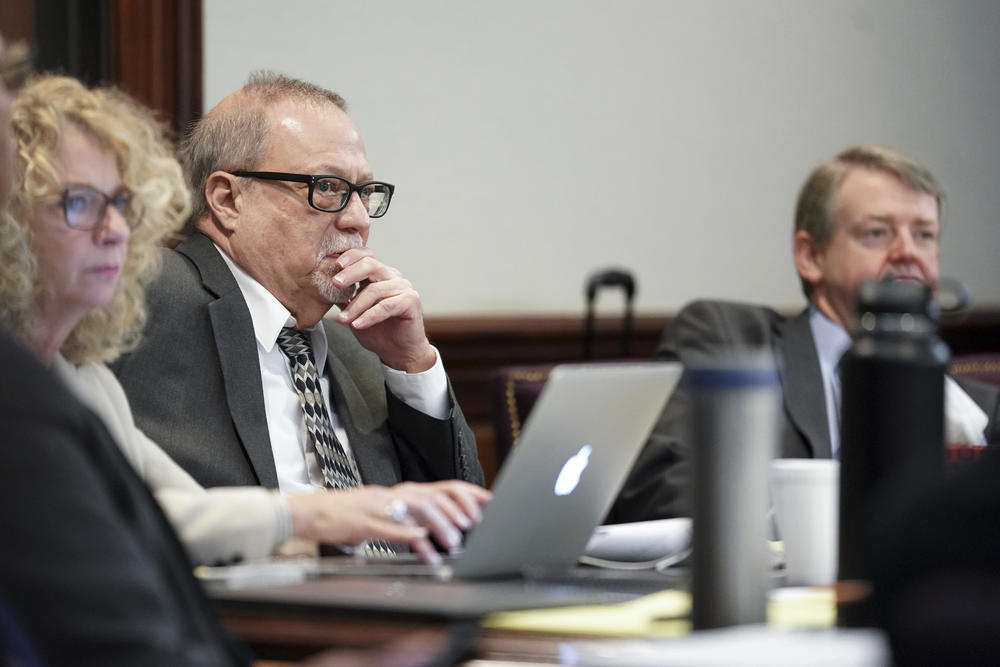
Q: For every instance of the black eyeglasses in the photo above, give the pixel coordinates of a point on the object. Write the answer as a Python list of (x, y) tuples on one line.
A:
[(86, 208), (332, 193)]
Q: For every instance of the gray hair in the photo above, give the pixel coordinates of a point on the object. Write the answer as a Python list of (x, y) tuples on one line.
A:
[(234, 136)]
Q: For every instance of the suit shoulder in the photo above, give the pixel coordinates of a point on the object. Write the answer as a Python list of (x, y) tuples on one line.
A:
[(178, 282), (713, 325), (176, 269), (721, 316), (728, 309)]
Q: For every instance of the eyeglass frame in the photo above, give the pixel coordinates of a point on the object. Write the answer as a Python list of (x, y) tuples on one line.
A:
[(311, 181), (133, 220)]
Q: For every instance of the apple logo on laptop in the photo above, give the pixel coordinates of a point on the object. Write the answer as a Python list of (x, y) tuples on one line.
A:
[(569, 476)]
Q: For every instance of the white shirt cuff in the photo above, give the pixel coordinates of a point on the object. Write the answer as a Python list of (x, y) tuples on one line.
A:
[(965, 421), (426, 391)]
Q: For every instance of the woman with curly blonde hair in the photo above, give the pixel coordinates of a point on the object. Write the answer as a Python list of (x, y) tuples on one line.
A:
[(151, 196), (96, 190)]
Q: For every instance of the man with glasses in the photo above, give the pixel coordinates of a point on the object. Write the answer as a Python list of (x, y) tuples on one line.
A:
[(870, 212), (241, 376)]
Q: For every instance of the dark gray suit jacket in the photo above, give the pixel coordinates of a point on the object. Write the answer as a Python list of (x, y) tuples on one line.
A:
[(194, 386), (657, 487)]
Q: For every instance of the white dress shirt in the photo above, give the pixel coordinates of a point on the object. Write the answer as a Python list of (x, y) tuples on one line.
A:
[(965, 421), (294, 457)]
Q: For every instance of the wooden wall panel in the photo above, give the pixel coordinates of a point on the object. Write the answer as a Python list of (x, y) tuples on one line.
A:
[(16, 20), (474, 348), (158, 56)]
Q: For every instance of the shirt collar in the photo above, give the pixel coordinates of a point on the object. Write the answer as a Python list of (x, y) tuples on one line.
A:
[(267, 313), (832, 340)]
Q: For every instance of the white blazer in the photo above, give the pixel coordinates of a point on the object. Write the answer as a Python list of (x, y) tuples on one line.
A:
[(218, 525)]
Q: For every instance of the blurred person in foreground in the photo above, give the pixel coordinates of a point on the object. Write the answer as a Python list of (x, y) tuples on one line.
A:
[(870, 212), (96, 190), (90, 570), (6, 142), (244, 376), (935, 573)]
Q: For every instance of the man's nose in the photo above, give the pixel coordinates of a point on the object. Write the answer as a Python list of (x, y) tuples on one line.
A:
[(903, 246), (354, 216)]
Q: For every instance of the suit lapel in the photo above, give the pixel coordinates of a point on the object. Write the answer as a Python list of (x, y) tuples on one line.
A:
[(802, 383), (237, 350), (358, 397)]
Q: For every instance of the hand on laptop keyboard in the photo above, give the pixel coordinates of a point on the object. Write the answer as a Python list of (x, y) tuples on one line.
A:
[(418, 515)]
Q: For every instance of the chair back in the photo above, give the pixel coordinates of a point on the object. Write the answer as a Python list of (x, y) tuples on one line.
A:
[(982, 367), (514, 392)]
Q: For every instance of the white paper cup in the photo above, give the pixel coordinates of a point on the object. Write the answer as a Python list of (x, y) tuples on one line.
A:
[(806, 495)]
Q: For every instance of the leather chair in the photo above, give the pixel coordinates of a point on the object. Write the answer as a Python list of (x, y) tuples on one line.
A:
[(514, 390), (982, 367)]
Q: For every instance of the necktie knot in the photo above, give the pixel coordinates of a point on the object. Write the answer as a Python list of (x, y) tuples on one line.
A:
[(294, 343)]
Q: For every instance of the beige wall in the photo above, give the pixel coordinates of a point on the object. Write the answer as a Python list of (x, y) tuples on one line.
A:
[(534, 141)]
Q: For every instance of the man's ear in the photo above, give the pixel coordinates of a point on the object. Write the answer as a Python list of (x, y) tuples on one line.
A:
[(223, 195), (808, 257)]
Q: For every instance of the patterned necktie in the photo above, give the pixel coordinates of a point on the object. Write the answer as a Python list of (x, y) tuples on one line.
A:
[(333, 462), (338, 473)]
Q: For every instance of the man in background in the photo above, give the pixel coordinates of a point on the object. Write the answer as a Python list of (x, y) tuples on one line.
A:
[(870, 212)]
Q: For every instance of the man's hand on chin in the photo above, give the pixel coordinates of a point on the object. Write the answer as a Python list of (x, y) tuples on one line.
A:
[(385, 312)]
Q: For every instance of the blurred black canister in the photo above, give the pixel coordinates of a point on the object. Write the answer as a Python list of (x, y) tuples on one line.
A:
[(892, 421), (736, 401)]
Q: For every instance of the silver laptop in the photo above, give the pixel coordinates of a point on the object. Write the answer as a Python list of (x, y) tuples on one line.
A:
[(558, 483)]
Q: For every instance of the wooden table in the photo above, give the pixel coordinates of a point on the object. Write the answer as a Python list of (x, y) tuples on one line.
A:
[(276, 629)]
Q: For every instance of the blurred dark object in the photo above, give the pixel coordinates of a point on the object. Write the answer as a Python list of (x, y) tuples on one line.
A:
[(618, 278), (75, 38), (959, 456), (936, 575), (16, 649), (892, 415), (15, 64), (953, 295)]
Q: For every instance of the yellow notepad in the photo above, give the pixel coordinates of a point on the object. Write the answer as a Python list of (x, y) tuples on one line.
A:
[(663, 614)]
